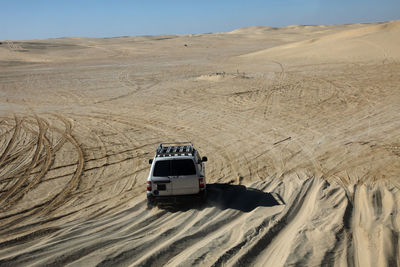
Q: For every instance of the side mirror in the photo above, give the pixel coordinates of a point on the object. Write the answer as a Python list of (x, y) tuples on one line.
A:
[(150, 161), (204, 159)]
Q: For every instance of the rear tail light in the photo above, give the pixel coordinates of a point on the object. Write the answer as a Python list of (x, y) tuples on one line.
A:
[(148, 186), (201, 183)]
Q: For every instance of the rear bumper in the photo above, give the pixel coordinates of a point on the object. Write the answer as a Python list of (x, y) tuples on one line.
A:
[(176, 198)]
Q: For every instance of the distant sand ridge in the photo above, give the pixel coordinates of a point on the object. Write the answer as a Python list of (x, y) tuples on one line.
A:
[(300, 125), (372, 42)]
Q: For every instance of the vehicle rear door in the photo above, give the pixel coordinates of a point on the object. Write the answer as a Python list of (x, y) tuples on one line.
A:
[(184, 177)]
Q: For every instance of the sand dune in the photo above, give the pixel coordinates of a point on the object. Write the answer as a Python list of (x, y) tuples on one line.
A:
[(376, 42), (300, 125), (253, 30)]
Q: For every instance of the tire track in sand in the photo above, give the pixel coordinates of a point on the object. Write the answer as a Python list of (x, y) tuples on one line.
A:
[(270, 99), (24, 177), (44, 162), (10, 144), (32, 143), (44, 169), (61, 198)]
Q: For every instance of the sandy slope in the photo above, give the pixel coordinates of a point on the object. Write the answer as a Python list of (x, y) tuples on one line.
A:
[(300, 124), (378, 42)]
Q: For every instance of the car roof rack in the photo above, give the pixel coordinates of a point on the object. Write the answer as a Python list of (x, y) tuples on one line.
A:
[(175, 149)]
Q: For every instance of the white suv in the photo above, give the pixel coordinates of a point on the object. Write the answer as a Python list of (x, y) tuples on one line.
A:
[(177, 173)]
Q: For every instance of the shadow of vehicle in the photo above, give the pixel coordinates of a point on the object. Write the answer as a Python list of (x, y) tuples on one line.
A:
[(228, 196), (239, 197)]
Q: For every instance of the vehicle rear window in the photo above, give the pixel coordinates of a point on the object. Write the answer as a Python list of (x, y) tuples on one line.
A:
[(162, 168), (174, 167)]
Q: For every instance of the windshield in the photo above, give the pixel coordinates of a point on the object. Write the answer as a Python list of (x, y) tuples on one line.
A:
[(174, 167)]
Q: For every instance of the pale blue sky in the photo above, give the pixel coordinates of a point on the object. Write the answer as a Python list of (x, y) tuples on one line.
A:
[(30, 19)]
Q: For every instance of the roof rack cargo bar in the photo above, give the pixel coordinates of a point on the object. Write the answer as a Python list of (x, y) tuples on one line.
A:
[(172, 148), (176, 143)]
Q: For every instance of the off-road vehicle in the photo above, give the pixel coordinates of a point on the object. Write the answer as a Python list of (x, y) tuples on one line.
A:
[(177, 174)]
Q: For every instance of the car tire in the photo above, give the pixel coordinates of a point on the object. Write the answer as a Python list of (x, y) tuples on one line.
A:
[(150, 204)]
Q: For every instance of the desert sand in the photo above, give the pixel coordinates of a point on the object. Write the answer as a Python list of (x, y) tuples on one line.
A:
[(301, 126)]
